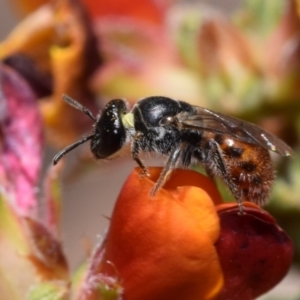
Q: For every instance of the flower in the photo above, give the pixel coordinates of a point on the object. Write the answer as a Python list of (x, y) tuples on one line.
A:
[(49, 66), (184, 243)]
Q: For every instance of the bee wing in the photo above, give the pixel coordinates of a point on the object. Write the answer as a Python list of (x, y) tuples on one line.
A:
[(205, 119)]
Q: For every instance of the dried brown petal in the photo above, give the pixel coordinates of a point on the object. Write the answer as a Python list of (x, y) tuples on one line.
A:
[(223, 48), (283, 48), (46, 252)]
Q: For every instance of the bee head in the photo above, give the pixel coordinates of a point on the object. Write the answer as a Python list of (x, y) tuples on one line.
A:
[(109, 132)]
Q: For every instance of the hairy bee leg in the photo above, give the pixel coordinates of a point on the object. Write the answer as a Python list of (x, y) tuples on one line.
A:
[(168, 169), (223, 172), (135, 152), (144, 168), (210, 173)]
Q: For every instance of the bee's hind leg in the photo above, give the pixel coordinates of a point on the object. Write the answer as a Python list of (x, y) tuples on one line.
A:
[(210, 173), (220, 168)]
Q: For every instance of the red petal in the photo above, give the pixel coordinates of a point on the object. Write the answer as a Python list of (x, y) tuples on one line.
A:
[(145, 11), (255, 253)]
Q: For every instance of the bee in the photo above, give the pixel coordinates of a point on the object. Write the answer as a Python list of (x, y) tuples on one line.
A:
[(229, 148)]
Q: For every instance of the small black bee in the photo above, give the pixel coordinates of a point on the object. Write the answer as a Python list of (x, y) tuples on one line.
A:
[(232, 149)]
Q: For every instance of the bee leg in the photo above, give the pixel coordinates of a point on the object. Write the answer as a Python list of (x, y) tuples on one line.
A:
[(135, 151), (168, 169), (222, 171), (209, 173)]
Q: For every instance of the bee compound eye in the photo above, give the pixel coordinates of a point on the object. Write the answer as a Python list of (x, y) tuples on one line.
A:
[(166, 120)]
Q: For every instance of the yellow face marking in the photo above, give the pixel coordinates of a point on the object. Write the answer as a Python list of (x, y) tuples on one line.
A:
[(128, 120)]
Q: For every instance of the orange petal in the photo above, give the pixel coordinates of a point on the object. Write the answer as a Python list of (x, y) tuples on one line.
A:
[(73, 59), (24, 7), (161, 247)]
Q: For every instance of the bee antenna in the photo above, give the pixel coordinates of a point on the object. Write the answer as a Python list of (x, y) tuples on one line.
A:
[(78, 106), (63, 152)]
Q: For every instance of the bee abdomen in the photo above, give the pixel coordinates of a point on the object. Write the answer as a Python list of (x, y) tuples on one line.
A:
[(250, 168)]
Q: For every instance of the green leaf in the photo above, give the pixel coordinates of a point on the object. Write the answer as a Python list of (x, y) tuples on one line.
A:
[(260, 17), (49, 291)]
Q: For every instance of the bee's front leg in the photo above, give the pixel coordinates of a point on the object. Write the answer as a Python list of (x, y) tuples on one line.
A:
[(171, 164), (135, 152)]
